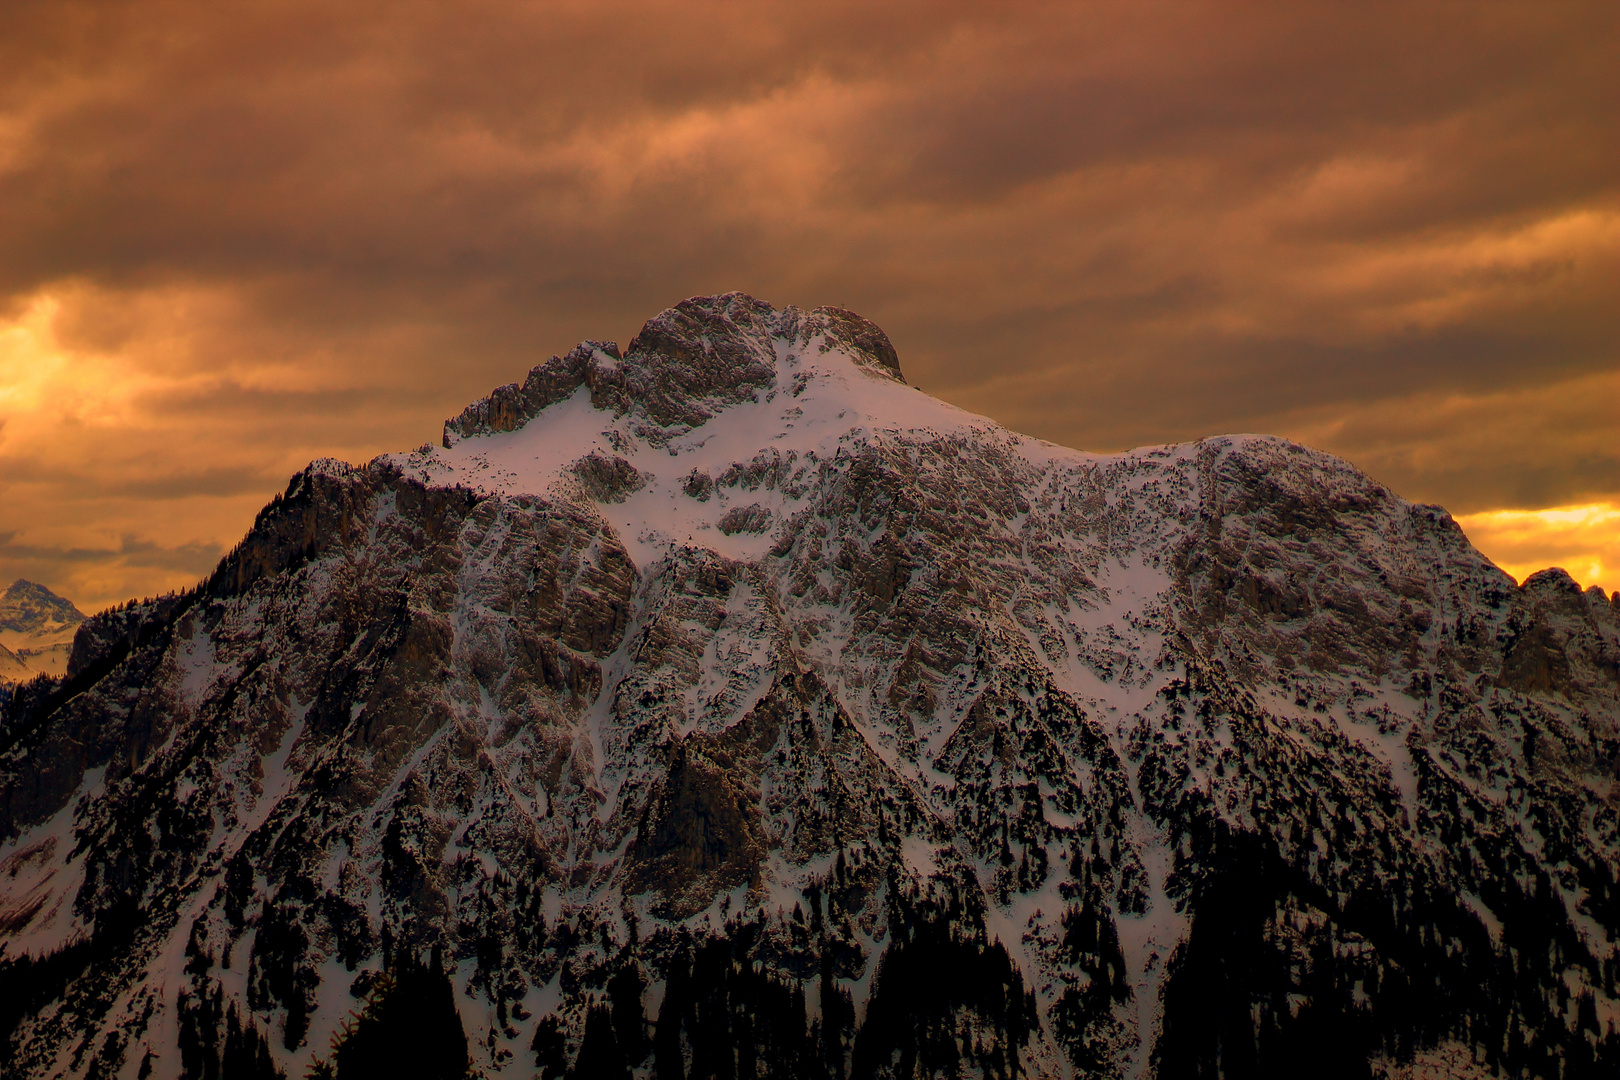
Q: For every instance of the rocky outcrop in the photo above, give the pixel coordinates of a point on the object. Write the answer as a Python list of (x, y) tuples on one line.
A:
[(858, 337), (685, 364), (509, 407), (607, 479), (729, 706)]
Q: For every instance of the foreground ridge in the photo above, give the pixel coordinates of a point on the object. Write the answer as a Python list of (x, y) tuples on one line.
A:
[(723, 706)]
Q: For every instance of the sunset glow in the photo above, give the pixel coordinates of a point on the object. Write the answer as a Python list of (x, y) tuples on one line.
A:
[(1584, 540)]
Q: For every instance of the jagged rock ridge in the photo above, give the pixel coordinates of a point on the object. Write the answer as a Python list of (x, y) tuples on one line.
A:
[(725, 707)]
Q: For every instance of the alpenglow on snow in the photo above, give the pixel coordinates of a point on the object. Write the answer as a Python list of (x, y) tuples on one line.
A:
[(726, 707)]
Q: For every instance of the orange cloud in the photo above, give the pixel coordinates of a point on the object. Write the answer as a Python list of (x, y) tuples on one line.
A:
[(1584, 540)]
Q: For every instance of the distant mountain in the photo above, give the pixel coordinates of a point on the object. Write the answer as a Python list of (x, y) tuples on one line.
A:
[(726, 707), (38, 627)]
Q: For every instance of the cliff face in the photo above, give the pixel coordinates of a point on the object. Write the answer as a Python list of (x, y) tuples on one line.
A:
[(726, 705)]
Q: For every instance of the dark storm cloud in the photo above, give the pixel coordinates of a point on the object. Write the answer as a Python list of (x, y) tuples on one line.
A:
[(256, 233), (1265, 88)]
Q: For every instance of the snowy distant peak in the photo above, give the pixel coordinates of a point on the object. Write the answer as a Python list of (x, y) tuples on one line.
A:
[(30, 608), (36, 628), (687, 363)]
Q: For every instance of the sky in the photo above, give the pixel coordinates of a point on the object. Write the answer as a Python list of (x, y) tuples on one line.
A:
[(236, 237)]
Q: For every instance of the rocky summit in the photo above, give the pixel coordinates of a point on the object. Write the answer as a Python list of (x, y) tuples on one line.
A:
[(724, 707)]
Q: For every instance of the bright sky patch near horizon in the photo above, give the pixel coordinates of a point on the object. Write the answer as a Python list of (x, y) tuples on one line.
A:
[(234, 238)]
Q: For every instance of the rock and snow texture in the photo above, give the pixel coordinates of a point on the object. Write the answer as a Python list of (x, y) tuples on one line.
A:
[(36, 629), (730, 669)]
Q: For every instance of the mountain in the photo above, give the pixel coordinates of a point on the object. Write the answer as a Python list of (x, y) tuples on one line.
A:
[(726, 707), (38, 627)]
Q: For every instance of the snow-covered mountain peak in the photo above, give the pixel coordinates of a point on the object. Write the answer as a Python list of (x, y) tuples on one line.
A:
[(30, 608), (709, 427), (38, 627), (691, 362)]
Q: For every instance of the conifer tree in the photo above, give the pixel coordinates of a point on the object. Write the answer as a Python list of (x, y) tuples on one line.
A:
[(668, 1060), (629, 1017), (412, 1030), (550, 1049), (599, 1055)]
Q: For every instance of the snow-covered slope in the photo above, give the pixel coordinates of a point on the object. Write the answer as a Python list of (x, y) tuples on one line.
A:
[(12, 668), (727, 704)]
